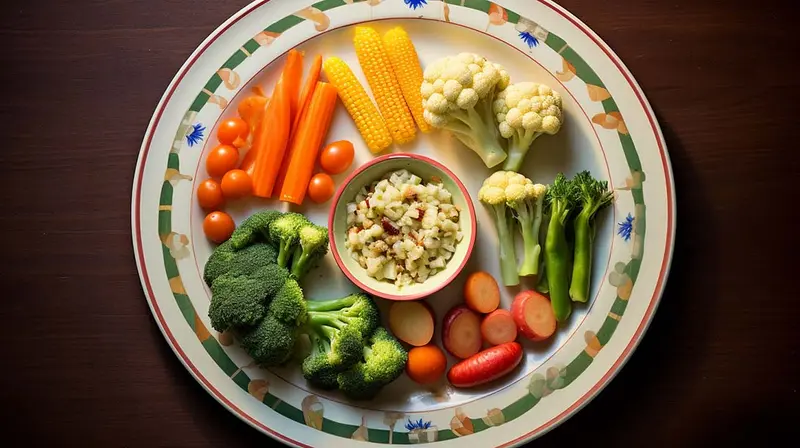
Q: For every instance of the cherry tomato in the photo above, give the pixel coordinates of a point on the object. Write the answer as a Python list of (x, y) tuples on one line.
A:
[(426, 364), (336, 157), (218, 226), (320, 189), (236, 184), (233, 132), (209, 194), (221, 159)]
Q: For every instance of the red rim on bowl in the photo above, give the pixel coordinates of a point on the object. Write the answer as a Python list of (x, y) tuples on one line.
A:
[(338, 196)]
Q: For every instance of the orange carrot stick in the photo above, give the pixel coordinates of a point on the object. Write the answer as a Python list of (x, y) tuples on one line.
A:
[(290, 80), (311, 131), (305, 99), (270, 141), (308, 89), (292, 76)]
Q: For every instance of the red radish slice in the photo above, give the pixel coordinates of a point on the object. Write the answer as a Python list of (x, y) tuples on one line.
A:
[(499, 327), (534, 315), (486, 366), (481, 292), (461, 332), (411, 322)]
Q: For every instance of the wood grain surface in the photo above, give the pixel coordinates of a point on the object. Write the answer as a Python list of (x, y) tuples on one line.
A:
[(84, 363)]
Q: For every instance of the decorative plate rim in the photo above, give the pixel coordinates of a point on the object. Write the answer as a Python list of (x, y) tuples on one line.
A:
[(584, 398)]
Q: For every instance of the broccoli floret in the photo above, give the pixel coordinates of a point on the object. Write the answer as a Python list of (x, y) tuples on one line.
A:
[(225, 259), (289, 305), (254, 228), (337, 330), (318, 370), (271, 342), (592, 196), (384, 359), (333, 351), (560, 200), (219, 262), (284, 233), (313, 246), (239, 300), (356, 310)]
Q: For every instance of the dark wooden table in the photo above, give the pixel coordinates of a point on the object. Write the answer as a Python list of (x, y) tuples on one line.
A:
[(83, 361)]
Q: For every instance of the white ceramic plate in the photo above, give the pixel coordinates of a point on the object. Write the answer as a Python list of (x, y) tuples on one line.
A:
[(609, 129)]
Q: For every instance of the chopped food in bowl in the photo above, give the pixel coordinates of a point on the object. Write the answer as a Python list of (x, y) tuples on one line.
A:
[(402, 226), (403, 229)]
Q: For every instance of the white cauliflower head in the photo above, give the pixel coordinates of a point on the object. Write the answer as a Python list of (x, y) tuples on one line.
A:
[(509, 186), (457, 83), (525, 111), (528, 107)]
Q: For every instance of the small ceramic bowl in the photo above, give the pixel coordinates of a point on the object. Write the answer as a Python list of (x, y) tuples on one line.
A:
[(425, 168)]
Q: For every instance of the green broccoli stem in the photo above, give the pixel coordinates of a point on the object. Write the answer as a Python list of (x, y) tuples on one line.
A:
[(300, 264), (557, 259), (582, 261), (508, 257), (327, 331), (518, 148), (319, 319), (477, 129), (332, 305), (284, 252)]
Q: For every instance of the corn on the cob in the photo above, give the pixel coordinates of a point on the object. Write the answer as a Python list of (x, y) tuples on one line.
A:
[(376, 66), (355, 99), (408, 71)]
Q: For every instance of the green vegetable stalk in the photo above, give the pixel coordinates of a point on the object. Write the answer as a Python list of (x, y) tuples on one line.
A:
[(560, 202), (593, 196)]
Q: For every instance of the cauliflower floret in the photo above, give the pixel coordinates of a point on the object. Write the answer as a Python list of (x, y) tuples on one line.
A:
[(457, 94), (525, 111), (511, 197)]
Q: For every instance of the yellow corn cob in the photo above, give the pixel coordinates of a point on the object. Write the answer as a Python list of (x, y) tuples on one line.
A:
[(380, 76), (405, 64), (368, 121)]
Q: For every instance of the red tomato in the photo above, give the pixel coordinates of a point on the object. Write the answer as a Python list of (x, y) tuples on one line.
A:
[(236, 184), (233, 132), (336, 157), (209, 194), (321, 188), (221, 159), (218, 226)]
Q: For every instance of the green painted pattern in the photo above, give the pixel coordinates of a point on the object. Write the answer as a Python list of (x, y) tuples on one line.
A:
[(514, 410)]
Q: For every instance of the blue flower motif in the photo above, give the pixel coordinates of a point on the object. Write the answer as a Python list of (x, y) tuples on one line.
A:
[(414, 4), (529, 39), (419, 424), (626, 228), (196, 136)]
